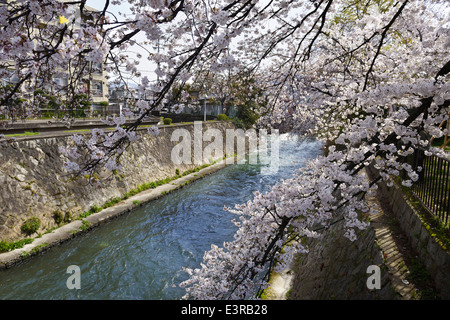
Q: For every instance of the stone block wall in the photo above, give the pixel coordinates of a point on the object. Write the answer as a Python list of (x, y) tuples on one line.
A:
[(336, 268), (435, 258)]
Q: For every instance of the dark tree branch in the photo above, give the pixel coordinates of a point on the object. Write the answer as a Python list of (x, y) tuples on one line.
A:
[(383, 36)]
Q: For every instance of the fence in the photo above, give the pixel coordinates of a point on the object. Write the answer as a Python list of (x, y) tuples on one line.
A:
[(433, 185), (49, 113)]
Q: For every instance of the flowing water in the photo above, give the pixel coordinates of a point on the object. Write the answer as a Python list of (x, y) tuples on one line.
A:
[(141, 255)]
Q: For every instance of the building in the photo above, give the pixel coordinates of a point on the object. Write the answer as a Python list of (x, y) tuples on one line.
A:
[(96, 84)]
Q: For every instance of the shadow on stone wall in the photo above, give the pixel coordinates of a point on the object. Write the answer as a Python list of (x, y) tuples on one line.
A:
[(336, 268)]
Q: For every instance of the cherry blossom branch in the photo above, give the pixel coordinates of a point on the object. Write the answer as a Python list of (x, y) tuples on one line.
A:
[(380, 44)]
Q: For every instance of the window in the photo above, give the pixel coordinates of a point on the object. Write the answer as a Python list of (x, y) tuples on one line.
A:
[(61, 84), (97, 89), (97, 68)]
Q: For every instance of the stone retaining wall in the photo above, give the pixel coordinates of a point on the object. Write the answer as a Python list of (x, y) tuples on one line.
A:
[(435, 258), (33, 182), (336, 268)]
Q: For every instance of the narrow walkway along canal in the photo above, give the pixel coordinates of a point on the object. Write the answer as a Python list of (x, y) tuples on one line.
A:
[(141, 255)]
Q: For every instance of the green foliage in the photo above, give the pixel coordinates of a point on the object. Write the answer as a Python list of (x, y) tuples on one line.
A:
[(81, 103), (111, 202), (94, 209), (39, 248), (356, 9), (167, 121), (61, 217), (31, 225), (9, 246), (67, 217), (222, 117), (85, 225), (440, 142), (25, 134), (51, 101), (58, 216), (250, 100), (175, 96), (423, 281), (246, 117), (238, 123), (52, 106)]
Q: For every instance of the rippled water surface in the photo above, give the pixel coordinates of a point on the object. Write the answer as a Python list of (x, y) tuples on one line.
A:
[(141, 255)]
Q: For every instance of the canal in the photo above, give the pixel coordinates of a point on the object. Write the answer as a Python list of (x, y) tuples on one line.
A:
[(141, 255)]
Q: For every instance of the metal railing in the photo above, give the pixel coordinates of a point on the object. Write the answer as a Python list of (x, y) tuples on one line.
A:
[(433, 185), (49, 113)]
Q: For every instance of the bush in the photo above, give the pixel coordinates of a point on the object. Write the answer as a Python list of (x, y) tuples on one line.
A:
[(4, 246), (222, 117), (247, 115), (58, 216), (238, 123), (67, 217), (9, 246), (31, 225), (167, 121), (95, 208)]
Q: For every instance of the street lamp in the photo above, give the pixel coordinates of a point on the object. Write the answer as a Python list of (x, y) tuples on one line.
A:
[(204, 112), (204, 107)]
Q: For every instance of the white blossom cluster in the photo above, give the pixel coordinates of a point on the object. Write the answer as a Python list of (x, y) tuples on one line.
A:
[(375, 115)]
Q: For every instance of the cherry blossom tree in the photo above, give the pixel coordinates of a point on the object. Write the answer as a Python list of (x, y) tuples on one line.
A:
[(370, 78), (375, 84)]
